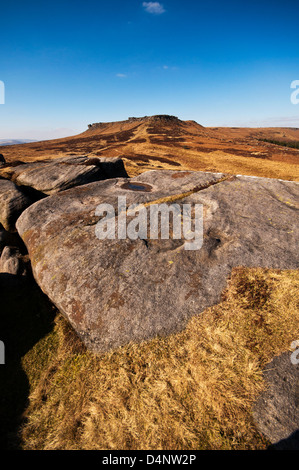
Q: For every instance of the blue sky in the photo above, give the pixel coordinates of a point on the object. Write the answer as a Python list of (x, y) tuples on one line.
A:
[(66, 64)]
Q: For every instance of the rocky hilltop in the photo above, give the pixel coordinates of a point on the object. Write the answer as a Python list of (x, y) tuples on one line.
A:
[(167, 142), (158, 118)]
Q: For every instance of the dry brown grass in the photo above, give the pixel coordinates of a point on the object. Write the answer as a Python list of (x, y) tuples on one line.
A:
[(146, 145), (218, 161), (192, 390)]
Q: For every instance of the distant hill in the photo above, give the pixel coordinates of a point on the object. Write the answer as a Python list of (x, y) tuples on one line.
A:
[(162, 141), (15, 141)]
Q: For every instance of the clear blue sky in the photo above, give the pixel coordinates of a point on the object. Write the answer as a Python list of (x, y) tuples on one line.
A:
[(66, 64)]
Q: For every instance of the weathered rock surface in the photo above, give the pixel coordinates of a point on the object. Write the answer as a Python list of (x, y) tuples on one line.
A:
[(277, 410), (12, 203), (117, 291), (49, 177)]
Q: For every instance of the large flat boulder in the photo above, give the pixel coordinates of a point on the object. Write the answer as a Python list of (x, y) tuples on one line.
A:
[(12, 203), (52, 176), (122, 290)]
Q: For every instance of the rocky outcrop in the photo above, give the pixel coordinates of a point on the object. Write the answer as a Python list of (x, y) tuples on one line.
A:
[(276, 413), (117, 291), (13, 201), (158, 119), (49, 177)]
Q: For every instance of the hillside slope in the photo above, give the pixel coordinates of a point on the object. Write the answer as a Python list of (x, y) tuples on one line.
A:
[(167, 142)]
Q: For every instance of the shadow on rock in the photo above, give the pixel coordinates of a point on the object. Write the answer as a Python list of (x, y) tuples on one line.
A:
[(290, 443), (26, 315)]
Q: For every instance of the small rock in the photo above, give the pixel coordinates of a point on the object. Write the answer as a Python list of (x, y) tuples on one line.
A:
[(11, 262)]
